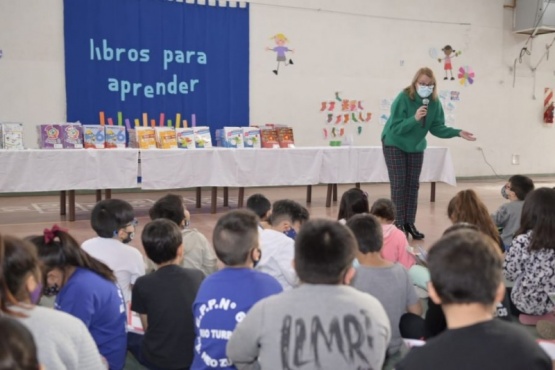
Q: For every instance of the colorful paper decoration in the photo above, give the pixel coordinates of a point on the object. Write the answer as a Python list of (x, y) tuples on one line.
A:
[(466, 76), (548, 106)]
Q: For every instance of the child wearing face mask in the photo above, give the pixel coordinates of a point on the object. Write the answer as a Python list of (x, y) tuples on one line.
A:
[(63, 341), (85, 288), (197, 251), (235, 288), (114, 222), (277, 243), (507, 217)]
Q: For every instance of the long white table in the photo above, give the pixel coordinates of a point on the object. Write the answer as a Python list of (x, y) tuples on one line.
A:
[(69, 170), (224, 167), (35, 170)]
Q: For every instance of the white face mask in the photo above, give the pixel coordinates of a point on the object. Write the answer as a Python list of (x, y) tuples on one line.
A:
[(425, 91)]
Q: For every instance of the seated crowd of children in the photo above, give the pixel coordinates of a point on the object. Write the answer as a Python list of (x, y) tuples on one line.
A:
[(276, 290)]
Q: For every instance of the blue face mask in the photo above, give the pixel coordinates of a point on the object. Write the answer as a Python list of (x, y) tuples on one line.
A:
[(504, 192), (425, 91), (291, 233)]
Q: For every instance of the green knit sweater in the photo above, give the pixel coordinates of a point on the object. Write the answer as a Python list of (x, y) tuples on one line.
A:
[(403, 131)]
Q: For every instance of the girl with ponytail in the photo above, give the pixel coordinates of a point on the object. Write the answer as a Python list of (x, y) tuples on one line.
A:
[(85, 288), (63, 341)]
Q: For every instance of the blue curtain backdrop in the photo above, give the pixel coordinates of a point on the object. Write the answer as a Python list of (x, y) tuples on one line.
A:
[(157, 56)]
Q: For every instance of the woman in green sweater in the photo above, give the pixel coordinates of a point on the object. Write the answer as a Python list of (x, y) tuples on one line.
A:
[(415, 112)]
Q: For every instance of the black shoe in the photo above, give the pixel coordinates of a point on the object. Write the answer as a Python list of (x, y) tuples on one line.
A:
[(411, 229), (402, 228), (445, 78), (290, 61), (452, 78), (275, 71)]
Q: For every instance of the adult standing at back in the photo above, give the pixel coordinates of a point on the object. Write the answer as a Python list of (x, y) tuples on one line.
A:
[(415, 112)]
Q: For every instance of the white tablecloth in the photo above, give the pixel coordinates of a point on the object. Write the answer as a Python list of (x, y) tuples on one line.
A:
[(171, 169), (35, 170), (181, 168)]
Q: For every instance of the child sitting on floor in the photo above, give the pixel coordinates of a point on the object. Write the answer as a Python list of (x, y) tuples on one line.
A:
[(235, 288), (395, 243), (262, 207), (388, 282), (466, 279), (507, 217), (164, 300)]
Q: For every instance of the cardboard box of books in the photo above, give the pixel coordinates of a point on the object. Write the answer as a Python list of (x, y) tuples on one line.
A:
[(142, 137), (165, 138), (11, 136), (50, 136), (72, 136), (94, 137), (251, 137), (185, 138), (203, 138), (115, 136)]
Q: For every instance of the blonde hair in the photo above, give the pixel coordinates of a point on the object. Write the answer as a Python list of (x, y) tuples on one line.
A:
[(411, 90), (280, 37)]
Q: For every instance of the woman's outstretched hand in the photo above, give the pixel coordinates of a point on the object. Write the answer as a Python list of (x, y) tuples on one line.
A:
[(467, 135)]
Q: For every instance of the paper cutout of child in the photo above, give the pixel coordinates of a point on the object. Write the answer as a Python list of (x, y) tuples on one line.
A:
[(281, 51), (447, 65)]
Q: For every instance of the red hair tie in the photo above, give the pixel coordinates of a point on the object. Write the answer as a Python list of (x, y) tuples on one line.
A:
[(49, 235)]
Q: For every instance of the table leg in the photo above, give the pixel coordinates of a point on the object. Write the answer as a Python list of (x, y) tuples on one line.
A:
[(226, 196), (198, 196), (241, 197), (98, 195), (108, 194), (335, 192), (62, 203), (71, 205), (214, 200), (309, 194), (433, 192), (328, 195)]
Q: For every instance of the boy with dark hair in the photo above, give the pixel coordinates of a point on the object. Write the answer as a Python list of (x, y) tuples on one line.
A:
[(259, 204), (114, 222), (164, 300), (388, 282), (277, 242), (227, 295), (198, 252), (507, 217), (466, 279), (322, 324)]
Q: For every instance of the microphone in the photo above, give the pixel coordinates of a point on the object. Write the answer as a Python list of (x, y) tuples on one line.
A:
[(425, 102)]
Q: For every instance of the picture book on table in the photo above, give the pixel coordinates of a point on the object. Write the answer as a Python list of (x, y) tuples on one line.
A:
[(185, 138), (285, 137), (94, 137), (165, 138), (203, 138), (11, 136), (142, 138), (269, 137), (251, 137), (115, 136), (50, 136), (232, 137), (72, 136)]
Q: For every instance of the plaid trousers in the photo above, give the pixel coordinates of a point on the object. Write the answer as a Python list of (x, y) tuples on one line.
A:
[(404, 176)]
